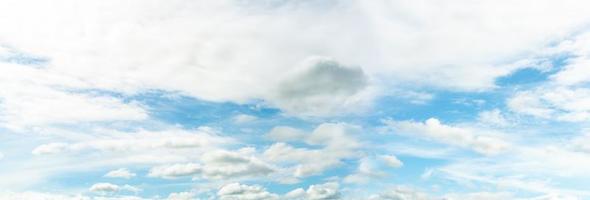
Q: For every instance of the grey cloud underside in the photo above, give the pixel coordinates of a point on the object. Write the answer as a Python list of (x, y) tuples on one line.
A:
[(321, 87)]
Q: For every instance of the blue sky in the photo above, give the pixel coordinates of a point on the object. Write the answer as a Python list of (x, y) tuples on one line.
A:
[(295, 100)]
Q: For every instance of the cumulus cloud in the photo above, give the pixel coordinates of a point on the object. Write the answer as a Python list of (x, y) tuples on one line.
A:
[(326, 191), (401, 193), (175, 170), (181, 196), (217, 165), (109, 188), (366, 171), (338, 142), (458, 136), (237, 191), (392, 161), (104, 187), (120, 173), (225, 165)]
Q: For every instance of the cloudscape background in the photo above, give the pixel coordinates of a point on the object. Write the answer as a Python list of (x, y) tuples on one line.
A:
[(295, 99)]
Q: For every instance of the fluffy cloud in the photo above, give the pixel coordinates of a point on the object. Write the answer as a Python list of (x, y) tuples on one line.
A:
[(120, 173), (392, 161), (239, 61), (338, 142), (181, 196), (326, 191), (221, 165), (556, 103), (401, 193), (175, 170), (367, 170), (237, 191), (225, 165), (104, 188), (458, 136), (109, 188)]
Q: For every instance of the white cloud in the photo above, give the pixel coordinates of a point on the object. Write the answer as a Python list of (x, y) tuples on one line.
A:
[(338, 142), (243, 118), (493, 117), (181, 196), (575, 71), (401, 193), (226, 165), (392, 161), (243, 52), (458, 136), (366, 171), (40, 196), (237, 191), (28, 101), (51, 148), (285, 134), (580, 142), (556, 103), (104, 188), (413, 96), (326, 191), (109, 188), (298, 193), (175, 170), (120, 173), (215, 60), (565, 96), (532, 165), (139, 141), (480, 196), (217, 165)]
